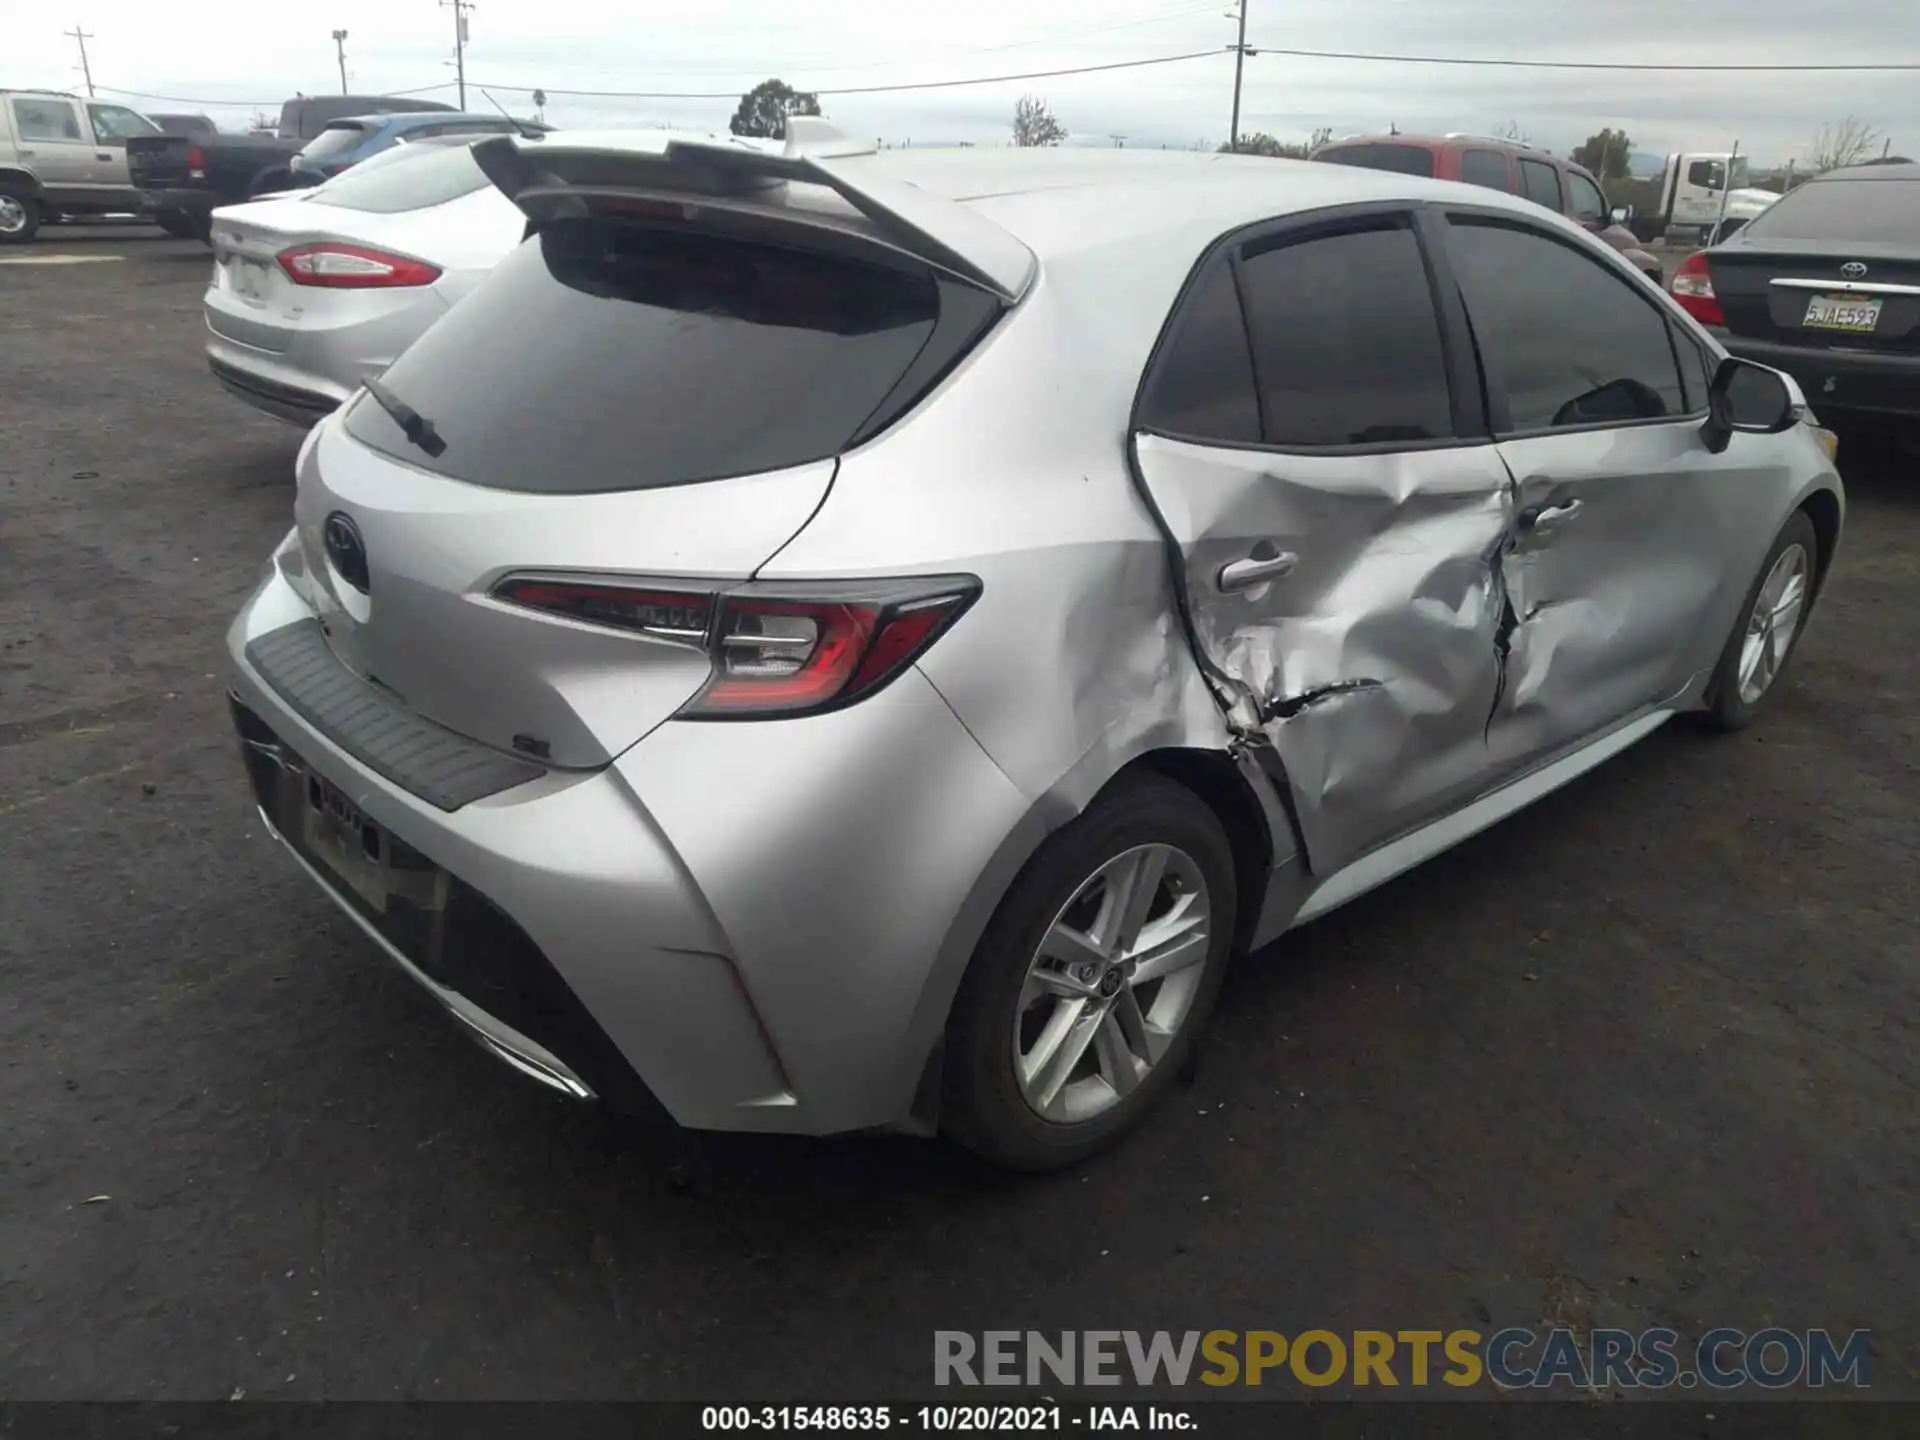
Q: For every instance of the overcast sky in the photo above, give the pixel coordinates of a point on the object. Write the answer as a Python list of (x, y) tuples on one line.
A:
[(259, 54)]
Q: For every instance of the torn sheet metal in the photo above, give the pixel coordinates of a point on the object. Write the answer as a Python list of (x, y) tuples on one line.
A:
[(1371, 665), (1619, 553)]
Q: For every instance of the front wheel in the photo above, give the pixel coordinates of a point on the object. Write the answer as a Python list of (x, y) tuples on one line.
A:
[(1763, 640), (1093, 981), (20, 217)]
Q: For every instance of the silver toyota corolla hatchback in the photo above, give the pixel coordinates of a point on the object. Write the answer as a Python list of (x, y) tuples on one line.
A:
[(835, 641)]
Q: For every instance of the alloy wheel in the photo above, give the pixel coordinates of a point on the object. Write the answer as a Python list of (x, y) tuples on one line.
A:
[(13, 215), (1773, 624), (1112, 982)]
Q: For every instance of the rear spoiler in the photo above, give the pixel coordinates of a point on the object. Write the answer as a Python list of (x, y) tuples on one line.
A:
[(549, 181)]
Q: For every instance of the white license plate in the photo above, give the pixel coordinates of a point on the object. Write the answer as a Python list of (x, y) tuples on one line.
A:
[(339, 836), (248, 278), (1841, 312)]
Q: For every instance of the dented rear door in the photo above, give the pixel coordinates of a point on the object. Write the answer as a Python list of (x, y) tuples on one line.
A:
[(1312, 441)]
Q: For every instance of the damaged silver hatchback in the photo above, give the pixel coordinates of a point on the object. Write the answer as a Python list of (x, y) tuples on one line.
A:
[(833, 641)]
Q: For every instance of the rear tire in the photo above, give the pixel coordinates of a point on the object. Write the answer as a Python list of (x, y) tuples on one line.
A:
[(1772, 619), (1010, 1098), (179, 224), (20, 216)]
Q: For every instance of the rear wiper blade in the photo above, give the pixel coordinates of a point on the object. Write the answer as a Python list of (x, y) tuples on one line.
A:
[(415, 426)]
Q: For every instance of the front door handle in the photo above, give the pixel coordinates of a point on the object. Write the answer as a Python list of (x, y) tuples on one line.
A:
[(103, 154), (1546, 517), (1244, 574)]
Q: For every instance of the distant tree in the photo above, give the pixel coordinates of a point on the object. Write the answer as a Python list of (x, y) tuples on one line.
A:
[(763, 110), (1261, 143), (1846, 142), (1605, 154), (1510, 130), (1033, 123)]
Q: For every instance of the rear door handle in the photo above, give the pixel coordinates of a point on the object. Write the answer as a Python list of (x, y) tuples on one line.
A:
[(1244, 574), (1546, 517), (103, 154)]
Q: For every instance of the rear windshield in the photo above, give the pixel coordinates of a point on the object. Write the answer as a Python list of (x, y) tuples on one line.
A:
[(1843, 210), (408, 177), (1401, 159), (337, 137), (607, 356)]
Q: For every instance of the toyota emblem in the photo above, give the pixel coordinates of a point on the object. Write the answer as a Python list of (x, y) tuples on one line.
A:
[(346, 550), (1854, 269)]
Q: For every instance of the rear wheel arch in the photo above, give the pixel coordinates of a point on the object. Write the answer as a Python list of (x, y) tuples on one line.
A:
[(1213, 778)]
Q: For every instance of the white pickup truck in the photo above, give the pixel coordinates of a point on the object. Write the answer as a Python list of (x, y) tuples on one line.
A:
[(1695, 196)]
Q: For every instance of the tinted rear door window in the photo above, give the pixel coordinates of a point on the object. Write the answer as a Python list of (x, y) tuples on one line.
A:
[(1346, 342), (1844, 210), (1401, 159), (1203, 382), (1540, 183), (603, 356), (1486, 168), (1572, 342)]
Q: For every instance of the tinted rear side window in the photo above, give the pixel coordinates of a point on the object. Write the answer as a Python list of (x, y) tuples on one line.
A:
[(1203, 383), (413, 179), (1346, 342), (1487, 168), (1401, 159), (1843, 210), (604, 356)]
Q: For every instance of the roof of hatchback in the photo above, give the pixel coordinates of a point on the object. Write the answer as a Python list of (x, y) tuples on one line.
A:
[(1056, 200)]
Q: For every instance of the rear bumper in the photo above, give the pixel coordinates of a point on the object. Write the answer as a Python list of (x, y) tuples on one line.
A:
[(764, 923), (1862, 381), (299, 370), (261, 388), (199, 203)]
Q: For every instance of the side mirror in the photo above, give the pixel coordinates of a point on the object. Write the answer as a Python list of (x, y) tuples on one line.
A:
[(1748, 399), (1621, 214)]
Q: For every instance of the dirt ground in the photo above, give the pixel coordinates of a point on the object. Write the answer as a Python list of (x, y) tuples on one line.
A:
[(1645, 1054)]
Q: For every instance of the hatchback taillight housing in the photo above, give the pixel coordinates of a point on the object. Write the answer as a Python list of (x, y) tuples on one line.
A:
[(330, 265), (1692, 286), (778, 650)]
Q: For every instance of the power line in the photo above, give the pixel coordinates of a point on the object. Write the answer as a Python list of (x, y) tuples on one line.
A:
[(1581, 64)]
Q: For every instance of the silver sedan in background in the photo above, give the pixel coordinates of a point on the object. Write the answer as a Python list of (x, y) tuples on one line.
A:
[(314, 290), (841, 640)]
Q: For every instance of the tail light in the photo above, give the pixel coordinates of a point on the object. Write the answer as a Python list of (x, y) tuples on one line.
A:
[(1693, 287), (777, 650), (331, 266), (196, 163)]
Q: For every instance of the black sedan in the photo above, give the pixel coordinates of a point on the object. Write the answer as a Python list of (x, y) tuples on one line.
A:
[(1825, 285)]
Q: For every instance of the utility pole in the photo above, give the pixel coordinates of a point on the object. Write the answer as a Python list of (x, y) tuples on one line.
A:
[(460, 10), (81, 37), (1240, 53), (340, 49)]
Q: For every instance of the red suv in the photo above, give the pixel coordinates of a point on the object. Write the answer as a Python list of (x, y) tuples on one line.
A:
[(1500, 165)]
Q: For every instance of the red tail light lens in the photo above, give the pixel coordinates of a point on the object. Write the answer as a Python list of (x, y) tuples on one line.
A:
[(1693, 287), (330, 266), (777, 650), (196, 163)]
